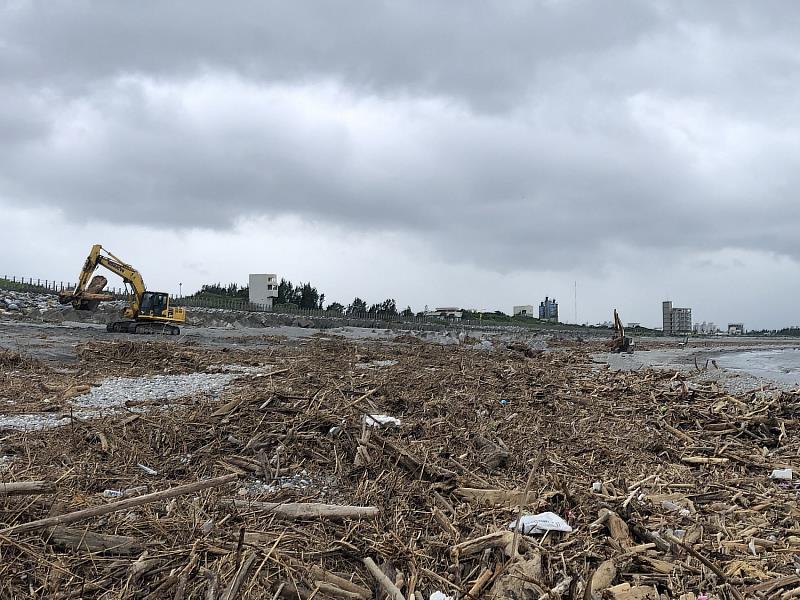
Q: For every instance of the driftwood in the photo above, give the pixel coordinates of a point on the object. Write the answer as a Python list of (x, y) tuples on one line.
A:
[(96, 511), (508, 498), (414, 464), (499, 539), (380, 577), (321, 575), (23, 488), (79, 540), (307, 510), (235, 586)]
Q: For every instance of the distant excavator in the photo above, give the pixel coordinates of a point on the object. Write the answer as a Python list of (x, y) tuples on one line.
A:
[(620, 342), (147, 312)]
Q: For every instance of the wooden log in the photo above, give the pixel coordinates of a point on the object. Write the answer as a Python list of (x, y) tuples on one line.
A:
[(235, 586), (307, 510), (321, 575), (704, 460), (386, 584), (499, 539), (329, 589), (508, 498), (104, 509), (79, 540), (26, 488)]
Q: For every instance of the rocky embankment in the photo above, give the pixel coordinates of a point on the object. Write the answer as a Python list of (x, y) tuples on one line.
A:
[(26, 303)]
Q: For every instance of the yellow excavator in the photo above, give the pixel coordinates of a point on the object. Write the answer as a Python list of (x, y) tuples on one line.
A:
[(147, 312)]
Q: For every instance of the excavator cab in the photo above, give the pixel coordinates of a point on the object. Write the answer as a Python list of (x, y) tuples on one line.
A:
[(154, 304)]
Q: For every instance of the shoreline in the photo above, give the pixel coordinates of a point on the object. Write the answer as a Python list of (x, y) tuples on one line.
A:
[(710, 364)]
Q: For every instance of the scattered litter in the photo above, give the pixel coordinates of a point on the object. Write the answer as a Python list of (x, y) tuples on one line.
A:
[(437, 595), (597, 486), (147, 469), (504, 402), (126, 493), (380, 420), (784, 474), (546, 521)]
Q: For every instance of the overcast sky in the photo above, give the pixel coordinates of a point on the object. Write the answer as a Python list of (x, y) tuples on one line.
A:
[(482, 154)]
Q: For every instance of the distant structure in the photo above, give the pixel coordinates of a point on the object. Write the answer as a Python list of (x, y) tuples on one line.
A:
[(705, 328), (677, 321), (633, 324), (548, 309), (446, 312), (525, 310), (263, 289), (735, 328)]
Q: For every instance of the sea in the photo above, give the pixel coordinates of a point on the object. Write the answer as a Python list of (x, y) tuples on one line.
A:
[(781, 365)]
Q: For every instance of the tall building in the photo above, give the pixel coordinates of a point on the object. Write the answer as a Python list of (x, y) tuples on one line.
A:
[(676, 321), (263, 289), (548, 309)]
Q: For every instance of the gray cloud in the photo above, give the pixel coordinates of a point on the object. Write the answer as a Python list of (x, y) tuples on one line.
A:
[(508, 133)]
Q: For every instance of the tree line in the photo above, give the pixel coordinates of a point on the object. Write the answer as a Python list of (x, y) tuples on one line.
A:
[(304, 295)]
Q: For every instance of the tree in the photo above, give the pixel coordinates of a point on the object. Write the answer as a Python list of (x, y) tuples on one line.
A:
[(357, 306), (335, 307), (407, 312), (303, 295), (286, 294), (387, 307), (308, 296)]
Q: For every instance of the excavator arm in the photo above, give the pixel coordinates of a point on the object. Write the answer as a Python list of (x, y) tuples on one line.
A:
[(125, 271)]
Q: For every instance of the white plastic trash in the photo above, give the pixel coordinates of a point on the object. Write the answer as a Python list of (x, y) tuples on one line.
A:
[(546, 521), (439, 596), (781, 474), (381, 420)]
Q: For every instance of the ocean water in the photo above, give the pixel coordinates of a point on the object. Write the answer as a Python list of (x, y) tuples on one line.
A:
[(781, 365)]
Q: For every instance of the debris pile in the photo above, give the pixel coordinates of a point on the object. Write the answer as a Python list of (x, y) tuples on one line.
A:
[(624, 485), (25, 303)]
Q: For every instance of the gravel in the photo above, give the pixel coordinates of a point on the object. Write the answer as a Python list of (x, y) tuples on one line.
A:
[(115, 392)]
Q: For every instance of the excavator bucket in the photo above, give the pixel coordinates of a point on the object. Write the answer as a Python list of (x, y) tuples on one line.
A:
[(90, 299)]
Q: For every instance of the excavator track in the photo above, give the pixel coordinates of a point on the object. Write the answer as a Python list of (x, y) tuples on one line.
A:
[(142, 327)]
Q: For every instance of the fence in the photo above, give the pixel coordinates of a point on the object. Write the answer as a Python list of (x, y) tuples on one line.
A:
[(243, 305), (361, 319), (48, 286)]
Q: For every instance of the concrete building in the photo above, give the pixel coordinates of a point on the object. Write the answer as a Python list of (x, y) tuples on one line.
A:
[(525, 310), (735, 328), (548, 309), (263, 288), (677, 321)]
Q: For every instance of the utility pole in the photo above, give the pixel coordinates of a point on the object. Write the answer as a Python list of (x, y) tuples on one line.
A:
[(575, 300)]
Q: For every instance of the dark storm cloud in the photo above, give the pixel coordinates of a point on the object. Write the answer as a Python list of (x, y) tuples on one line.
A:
[(507, 132)]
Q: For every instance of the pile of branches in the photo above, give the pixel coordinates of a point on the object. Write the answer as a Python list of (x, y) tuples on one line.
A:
[(353, 470)]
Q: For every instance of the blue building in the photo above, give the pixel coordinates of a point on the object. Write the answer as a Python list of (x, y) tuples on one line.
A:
[(548, 310)]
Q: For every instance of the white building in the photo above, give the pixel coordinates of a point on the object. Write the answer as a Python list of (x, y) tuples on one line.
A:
[(525, 310), (263, 289), (676, 320), (735, 328)]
